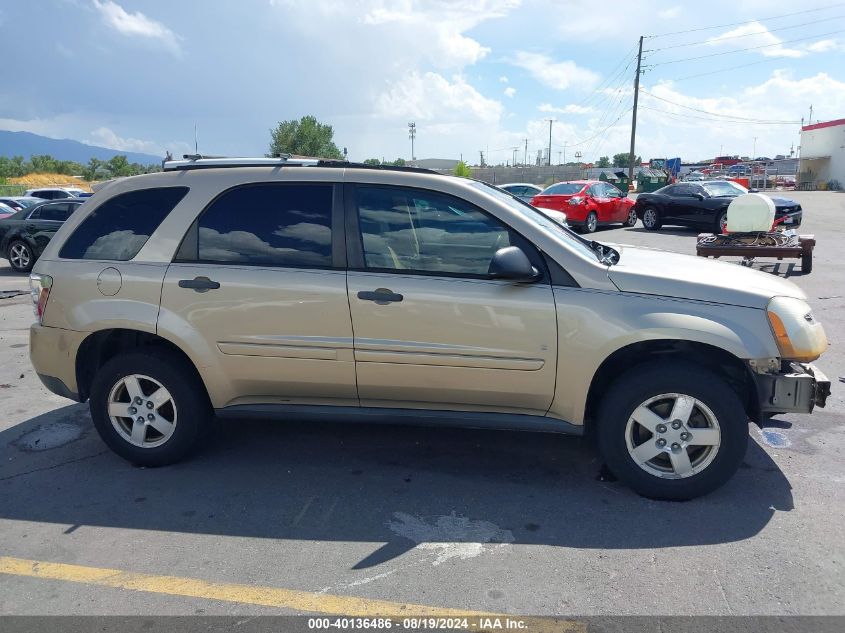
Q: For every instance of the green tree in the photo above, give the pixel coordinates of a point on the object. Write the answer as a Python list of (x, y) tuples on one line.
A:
[(603, 162), (463, 170), (399, 162), (372, 161), (621, 160), (306, 137), (119, 166), (89, 172)]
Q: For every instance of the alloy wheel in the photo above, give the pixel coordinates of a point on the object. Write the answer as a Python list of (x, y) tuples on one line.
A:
[(673, 436), (632, 217), (142, 411), (649, 218), (19, 255)]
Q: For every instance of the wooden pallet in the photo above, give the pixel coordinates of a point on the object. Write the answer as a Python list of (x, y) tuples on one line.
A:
[(803, 251)]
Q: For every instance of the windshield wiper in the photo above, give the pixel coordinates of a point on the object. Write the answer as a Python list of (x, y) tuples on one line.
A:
[(606, 255)]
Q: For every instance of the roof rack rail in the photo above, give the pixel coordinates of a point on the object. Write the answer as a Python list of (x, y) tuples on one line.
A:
[(198, 161)]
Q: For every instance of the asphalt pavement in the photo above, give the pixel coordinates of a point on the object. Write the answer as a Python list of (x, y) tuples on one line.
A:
[(292, 517)]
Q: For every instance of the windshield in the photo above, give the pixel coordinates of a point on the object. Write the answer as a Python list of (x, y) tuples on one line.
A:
[(563, 189), (592, 248), (28, 202), (724, 188)]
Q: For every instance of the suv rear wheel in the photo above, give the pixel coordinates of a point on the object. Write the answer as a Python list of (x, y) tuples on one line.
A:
[(672, 430), (150, 407)]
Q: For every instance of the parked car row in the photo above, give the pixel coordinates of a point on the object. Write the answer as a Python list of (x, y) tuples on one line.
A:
[(25, 233), (703, 204)]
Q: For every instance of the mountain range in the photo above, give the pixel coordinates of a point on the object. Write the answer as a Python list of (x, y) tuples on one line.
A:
[(26, 144)]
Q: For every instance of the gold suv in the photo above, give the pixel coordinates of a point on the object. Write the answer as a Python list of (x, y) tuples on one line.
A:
[(293, 289)]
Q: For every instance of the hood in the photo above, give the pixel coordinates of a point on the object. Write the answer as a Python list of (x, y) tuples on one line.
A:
[(656, 272)]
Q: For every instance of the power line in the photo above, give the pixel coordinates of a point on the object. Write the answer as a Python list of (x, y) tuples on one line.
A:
[(586, 140), (741, 50), (772, 17), (768, 60), (684, 117), (717, 114), (714, 40)]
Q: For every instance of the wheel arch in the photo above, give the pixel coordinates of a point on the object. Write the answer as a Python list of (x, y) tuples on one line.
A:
[(716, 359), (101, 346)]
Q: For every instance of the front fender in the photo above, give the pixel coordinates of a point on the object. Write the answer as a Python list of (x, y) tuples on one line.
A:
[(593, 324)]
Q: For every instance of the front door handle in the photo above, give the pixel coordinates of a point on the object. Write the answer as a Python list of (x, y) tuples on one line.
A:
[(200, 284), (382, 296)]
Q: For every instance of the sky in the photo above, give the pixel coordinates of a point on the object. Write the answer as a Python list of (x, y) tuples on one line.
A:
[(474, 75)]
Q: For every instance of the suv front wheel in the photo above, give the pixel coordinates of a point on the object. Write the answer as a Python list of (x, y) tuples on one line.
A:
[(150, 407), (672, 430)]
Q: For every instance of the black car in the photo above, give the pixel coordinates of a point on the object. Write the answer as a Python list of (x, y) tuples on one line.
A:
[(702, 205), (24, 235)]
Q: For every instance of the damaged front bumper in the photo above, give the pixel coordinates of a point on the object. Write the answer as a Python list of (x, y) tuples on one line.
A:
[(796, 388)]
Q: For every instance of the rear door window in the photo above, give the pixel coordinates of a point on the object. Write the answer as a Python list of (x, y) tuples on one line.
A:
[(119, 228), (268, 224), (56, 212)]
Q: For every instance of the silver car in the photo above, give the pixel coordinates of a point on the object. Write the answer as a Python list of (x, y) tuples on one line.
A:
[(296, 289)]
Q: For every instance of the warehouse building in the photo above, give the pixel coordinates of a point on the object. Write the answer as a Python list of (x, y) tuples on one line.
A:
[(822, 164)]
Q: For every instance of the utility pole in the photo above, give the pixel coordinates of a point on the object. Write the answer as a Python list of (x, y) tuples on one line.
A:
[(550, 140), (631, 156), (564, 151), (514, 156), (412, 133), (481, 152), (810, 122), (525, 160), (754, 152), (558, 157)]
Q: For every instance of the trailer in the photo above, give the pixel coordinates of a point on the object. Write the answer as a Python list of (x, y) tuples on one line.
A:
[(750, 246)]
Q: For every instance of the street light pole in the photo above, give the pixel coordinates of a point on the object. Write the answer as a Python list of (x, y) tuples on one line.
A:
[(550, 141), (412, 133)]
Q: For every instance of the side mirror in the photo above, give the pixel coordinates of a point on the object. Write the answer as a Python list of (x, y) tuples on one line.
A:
[(753, 191), (699, 196), (512, 263)]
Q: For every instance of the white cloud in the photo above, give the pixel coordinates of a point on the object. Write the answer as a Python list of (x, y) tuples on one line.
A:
[(105, 137), (755, 35), (558, 75), (510, 91), (136, 24), (693, 135), (434, 30), (432, 97), (826, 46), (504, 79), (667, 14), (571, 108)]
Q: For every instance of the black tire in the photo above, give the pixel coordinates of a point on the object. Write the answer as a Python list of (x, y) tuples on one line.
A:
[(721, 217), (29, 255), (806, 263), (591, 223), (631, 220), (194, 412), (651, 219), (637, 386)]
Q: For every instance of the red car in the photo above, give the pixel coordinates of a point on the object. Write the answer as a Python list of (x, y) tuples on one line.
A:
[(588, 203)]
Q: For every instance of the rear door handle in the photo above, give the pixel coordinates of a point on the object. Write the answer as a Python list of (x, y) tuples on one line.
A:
[(200, 284), (381, 296)]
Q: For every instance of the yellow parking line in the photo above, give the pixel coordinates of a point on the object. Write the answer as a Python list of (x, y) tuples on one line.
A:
[(293, 599)]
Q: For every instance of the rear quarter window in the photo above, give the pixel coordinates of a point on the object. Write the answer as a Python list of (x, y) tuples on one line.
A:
[(119, 228)]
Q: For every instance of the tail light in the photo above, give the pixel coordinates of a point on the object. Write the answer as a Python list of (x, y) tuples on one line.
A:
[(39, 289)]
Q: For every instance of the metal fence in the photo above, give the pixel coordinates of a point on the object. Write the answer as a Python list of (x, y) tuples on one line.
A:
[(542, 175)]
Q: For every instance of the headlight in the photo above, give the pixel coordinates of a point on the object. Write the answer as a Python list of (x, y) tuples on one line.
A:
[(576, 200), (799, 336)]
